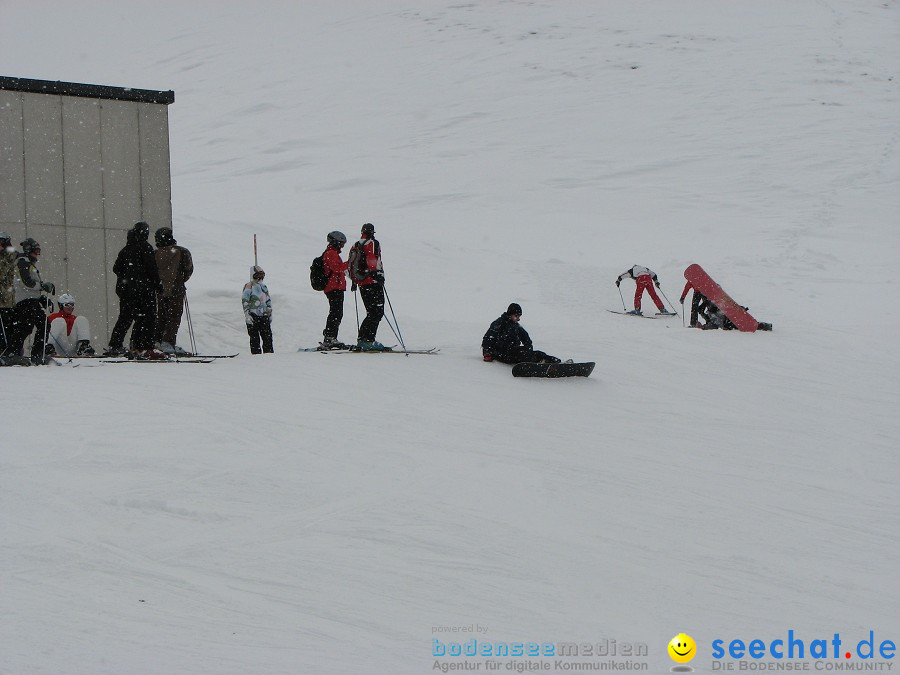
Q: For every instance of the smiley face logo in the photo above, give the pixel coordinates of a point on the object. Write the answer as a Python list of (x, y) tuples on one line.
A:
[(682, 648)]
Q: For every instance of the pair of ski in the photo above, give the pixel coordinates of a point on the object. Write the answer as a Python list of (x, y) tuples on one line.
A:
[(352, 349), (658, 315), (187, 358)]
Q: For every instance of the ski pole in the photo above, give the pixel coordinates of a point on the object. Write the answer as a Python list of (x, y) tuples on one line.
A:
[(45, 328), (356, 305), (187, 311), (255, 261), (667, 299), (624, 308), (399, 336)]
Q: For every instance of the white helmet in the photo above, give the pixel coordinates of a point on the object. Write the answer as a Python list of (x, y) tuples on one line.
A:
[(66, 299)]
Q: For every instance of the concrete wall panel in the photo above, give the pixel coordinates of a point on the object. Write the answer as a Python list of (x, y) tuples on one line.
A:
[(121, 163), (87, 278), (156, 184), (12, 161), (44, 184), (82, 162)]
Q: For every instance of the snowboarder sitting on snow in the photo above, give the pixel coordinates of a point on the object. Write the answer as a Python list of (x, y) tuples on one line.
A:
[(506, 341), (69, 334), (644, 278)]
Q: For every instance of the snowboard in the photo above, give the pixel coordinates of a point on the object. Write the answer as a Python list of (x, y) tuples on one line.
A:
[(704, 284), (553, 369)]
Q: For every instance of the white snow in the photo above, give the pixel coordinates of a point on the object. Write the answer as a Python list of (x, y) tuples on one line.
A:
[(306, 513)]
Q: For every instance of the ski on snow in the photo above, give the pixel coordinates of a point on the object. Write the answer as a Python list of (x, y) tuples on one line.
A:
[(659, 315), (352, 349)]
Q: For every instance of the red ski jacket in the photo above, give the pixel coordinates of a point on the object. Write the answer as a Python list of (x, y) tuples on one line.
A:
[(335, 268)]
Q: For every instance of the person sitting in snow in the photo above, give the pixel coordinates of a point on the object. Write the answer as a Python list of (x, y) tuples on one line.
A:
[(644, 279), (70, 335), (506, 341)]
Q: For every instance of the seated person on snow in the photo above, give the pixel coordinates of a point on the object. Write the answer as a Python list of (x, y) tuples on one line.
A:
[(70, 335), (506, 341)]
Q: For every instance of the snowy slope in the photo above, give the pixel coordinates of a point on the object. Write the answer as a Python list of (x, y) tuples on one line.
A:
[(307, 513)]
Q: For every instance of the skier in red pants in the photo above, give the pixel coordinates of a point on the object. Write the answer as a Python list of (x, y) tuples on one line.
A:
[(644, 279)]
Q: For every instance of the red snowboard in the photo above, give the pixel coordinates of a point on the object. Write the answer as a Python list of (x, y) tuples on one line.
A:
[(704, 284)]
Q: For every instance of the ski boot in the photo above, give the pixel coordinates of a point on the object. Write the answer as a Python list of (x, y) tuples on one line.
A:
[(373, 346)]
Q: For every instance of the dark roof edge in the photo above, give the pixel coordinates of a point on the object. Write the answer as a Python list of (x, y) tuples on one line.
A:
[(86, 90)]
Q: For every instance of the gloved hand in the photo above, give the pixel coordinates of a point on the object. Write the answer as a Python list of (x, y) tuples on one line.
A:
[(657, 283), (618, 282), (248, 319), (47, 287), (681, 300), (353, 287)]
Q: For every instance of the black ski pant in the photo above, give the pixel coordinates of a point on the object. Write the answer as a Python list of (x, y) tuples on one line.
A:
[(524, 354), (169, 319), (260, 330), (335, 314), (142, 313), (28, 315), (373, 299)]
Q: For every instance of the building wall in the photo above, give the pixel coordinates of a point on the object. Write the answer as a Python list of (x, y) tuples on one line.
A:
[(75, 174)]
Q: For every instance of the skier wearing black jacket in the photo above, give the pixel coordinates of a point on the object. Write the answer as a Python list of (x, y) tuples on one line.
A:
[(30, 309), (506, 341), (137, 285)]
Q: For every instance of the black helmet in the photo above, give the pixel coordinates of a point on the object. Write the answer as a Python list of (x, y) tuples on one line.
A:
[(29, 245), (514, 309), (337, 238), (368, 229), (164, 237), (141, 230)]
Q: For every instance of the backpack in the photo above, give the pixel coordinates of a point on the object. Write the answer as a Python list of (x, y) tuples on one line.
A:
[(356, 262), (318, 278)]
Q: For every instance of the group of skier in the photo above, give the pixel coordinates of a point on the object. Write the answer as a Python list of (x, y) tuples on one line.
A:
[(151, 290), (150, 286)]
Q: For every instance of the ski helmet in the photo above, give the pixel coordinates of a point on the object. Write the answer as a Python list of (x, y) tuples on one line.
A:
[(368, 229), (337, 238), (66, 299), (514, 309), (164, 237), (29, 246), (141, 230)]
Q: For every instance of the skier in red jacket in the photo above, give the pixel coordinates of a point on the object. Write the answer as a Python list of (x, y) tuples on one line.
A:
[(336, 269), (644, 278), (366, 272)]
